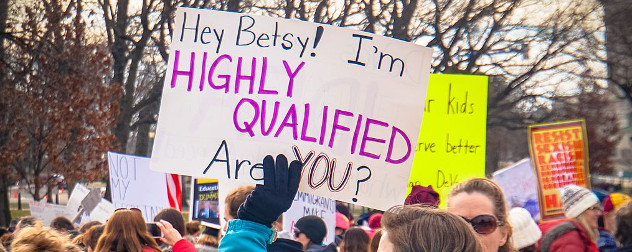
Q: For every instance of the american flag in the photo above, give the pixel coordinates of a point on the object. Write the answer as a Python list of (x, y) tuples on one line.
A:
[(174, 191)]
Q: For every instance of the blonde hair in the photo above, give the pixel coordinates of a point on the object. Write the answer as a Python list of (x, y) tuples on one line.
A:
[(417, 228), (39, 238), (490, 189), (208, 240), (583, 221)]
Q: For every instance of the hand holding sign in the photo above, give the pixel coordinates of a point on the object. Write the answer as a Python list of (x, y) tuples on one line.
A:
[(275, 196)]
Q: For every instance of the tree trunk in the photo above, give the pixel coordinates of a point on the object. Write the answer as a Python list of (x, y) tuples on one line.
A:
[(142, 137), (5, 213)]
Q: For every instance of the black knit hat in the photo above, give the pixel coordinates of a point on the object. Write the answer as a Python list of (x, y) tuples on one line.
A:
[(313, 227)]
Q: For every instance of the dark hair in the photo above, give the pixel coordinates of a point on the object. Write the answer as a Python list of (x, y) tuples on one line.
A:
[(490, 189), (88, 225), (28, 221), (62, 224), (92, 235), (624, 225), (375, 240), (174, 217), (414, 228), (237, 197), (355, 240), (192, 227)]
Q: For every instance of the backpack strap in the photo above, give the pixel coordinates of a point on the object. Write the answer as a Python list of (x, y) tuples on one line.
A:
[(556, 232)]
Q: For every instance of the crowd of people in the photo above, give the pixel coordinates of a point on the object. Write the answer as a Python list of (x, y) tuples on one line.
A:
[(476, 219)]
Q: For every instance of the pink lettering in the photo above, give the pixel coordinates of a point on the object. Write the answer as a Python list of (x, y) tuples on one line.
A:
[(391, 144), (177, 72)]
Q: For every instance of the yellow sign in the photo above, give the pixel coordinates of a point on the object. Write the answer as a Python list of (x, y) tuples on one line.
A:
[(451, 145)]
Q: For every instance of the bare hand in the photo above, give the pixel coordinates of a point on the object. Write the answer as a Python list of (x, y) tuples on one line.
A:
[(169, 234)]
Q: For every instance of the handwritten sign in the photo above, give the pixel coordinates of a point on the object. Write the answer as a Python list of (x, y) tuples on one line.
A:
[(307, 204), (560, 157), (205, 202), (520, 186), (346, 103), (46, 212), (133, 184), (451, 146)]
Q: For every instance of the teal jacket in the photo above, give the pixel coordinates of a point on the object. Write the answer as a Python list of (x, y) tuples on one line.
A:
[(243, 235)]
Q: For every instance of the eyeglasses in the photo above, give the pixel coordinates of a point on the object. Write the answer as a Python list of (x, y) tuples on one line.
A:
[(131, 209), (297, 232), (483, 224)]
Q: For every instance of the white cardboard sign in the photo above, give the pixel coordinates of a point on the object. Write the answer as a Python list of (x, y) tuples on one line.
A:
[(133, 184), (306, 204), (520, 186), (47, 212), (347, 103)]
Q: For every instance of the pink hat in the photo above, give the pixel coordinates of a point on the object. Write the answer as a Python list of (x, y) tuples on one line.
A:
[(423, 195), (375, 221), (341, 221)]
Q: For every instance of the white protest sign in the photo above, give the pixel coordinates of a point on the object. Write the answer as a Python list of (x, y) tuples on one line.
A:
[(306, 204), (47, 212), (347, 103), (133, 184), (74, 202), (520, 186), (102, 211)]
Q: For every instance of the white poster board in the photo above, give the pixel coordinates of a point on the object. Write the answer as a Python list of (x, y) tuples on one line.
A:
[(46, 212), (101, 212), (520, 186), (307, 204), (133, 184), (79, 192), (347, 103)]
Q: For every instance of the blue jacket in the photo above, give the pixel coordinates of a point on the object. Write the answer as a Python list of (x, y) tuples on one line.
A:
[(243, 235)]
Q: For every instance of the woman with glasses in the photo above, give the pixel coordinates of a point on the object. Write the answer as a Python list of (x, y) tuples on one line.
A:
[(481, 203), (580, 231), (415, 228)]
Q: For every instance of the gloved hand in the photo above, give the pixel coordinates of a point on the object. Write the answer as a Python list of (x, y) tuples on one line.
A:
[(280, 184)]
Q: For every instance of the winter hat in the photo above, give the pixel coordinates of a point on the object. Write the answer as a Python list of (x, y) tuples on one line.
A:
[(375, 221), (423, 195), (576, 200), (525, 231), (341, 221), (210, 231), (313, 227), (614, 201)]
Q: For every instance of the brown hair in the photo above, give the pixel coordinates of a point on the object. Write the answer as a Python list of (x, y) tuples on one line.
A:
[(374, 244), (208, 240), (62, 224), (88, 225), (237, 197), (416, 228), (125, 231), (174, 217), (623, 231), (192, 227), (355, 240), (91, 237), (39, 238), (490, 189)]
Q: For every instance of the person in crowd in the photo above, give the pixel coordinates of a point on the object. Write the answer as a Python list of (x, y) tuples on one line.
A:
[(64, 225), (192, 228), (415, 228), (343, 208), (423, 195), (375, 240), (580, 230), (342, 224), (38, 238), (91, 237), (277, 225), (174, 217), (310, 231), (481, 202), (27, 221), (623, 228), (355, 240), (611, 204), (173, 238), (375, 223), (233, 200), (208, 240), (252, 231), (525, 231), (88, 225), (126, 231)]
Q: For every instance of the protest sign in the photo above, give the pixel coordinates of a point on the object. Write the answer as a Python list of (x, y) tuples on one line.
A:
[(345, 102), (307, 204), (451, 145), (520, 186), (559, 154), (133, 184), (83, 199), (205, 202), (79, 192), (46, 212)]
